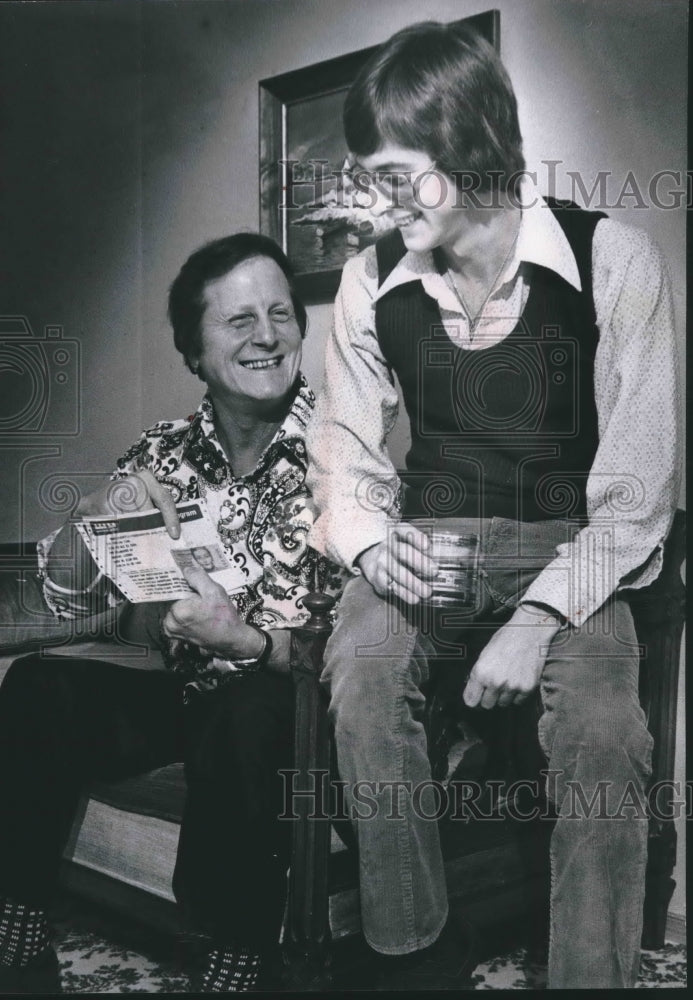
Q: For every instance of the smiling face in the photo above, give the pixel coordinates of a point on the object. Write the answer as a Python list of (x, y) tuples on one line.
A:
[(203, 557), (251, 341), (426, 210)]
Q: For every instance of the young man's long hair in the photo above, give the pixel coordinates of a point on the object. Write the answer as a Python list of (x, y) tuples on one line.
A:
[(443, 89)]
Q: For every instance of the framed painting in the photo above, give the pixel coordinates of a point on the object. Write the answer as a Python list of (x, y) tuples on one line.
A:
[(303, 202)]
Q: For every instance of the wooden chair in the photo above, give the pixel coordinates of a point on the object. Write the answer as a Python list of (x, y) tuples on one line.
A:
[(485, 864)]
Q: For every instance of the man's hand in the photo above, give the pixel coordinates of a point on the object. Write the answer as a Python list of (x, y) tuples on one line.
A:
[(400, 565), (510, 665), (70, 564), (137, 492), (209, 619)]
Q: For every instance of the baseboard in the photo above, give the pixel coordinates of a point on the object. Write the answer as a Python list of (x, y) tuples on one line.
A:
[(676, 928)]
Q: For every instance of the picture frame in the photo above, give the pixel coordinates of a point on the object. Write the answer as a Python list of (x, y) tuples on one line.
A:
[(302, 151)]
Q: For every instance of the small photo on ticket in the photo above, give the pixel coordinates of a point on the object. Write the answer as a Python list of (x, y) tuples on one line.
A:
[(209, 557)]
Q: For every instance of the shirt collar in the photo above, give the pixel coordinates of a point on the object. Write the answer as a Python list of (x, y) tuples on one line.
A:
[(541, 241), (291, 434)]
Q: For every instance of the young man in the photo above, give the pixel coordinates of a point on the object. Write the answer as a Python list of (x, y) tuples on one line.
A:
[(534, 346)]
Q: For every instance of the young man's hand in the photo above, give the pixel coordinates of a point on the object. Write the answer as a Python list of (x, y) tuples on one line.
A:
[(510, 665), (400, 565)]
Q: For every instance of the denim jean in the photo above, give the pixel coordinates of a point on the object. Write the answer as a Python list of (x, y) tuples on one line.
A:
[(592, 729)]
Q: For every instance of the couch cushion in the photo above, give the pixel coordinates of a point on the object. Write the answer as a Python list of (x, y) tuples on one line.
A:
[(135, 849), (159, 793)]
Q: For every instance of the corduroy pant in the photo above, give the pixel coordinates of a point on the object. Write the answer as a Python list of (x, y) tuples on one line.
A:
[(592, 731)]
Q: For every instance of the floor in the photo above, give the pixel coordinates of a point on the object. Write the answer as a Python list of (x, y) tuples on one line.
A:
[(102, 953)]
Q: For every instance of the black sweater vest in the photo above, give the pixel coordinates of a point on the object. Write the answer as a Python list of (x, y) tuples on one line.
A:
[(505, 431)]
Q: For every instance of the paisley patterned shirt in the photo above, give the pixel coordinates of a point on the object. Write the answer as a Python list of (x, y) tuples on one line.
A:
[(262, 519)]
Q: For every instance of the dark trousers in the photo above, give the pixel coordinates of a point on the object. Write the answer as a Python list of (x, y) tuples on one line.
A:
[(67, 722)]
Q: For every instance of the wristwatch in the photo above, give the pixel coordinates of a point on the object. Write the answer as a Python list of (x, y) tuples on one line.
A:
[(253, 663)]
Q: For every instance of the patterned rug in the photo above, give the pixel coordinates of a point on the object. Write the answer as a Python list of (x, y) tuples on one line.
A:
[(664, 968), (101, 953)]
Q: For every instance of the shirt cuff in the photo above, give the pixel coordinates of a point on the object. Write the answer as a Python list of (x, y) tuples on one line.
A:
[(545, 612), (588, 571), (344, 540), (576, 585)]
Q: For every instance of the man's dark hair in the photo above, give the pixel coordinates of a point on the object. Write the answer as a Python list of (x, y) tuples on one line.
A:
[(186, 303), (441, 88)]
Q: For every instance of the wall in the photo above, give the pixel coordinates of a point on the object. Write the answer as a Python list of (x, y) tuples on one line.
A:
[(609, 78), (130, 137), (69, 253)]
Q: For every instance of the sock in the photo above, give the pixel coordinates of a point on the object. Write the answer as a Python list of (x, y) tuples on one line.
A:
[(231, 970), (24, 933)]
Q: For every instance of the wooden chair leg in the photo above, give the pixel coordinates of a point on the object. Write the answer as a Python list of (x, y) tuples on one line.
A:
[(659, 614), (307, 930), (659, 885)]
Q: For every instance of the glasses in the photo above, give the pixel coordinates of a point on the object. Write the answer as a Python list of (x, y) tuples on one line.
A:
[(395, 185)]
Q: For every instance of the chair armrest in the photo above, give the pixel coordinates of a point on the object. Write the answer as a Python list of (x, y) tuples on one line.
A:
[(26, 621)]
